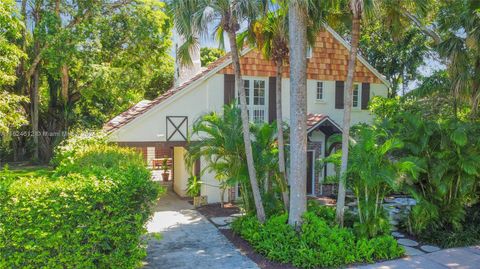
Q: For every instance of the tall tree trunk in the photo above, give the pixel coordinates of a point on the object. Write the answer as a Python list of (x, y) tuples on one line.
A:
[(347, 117), (246, 127), (34, 100), (298, 113), (281, 142)]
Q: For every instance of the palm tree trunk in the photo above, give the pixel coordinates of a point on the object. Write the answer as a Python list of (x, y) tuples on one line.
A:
[(347, 118), (246, 127), (281, 142), (298, 113)]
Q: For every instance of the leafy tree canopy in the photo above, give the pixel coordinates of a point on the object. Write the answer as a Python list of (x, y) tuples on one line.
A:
[(210, 55)]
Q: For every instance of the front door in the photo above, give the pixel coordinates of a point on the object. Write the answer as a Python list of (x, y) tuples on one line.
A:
[(310, 177)]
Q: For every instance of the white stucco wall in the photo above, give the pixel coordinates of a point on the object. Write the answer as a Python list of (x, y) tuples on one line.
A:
[(210, 186), (152, 125), (327, 107), (180, 173)]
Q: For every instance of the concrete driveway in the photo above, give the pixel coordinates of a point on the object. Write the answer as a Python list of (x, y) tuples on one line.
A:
[(457, 258), (189, 240)]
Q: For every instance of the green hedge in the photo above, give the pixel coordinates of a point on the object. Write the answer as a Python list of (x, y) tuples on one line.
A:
[(317, 244), (90, 214)]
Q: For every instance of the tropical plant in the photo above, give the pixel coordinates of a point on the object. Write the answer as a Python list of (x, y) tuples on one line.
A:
[(193, 186), (398, 15), (460, 45), (221, 147), (270, 34), (192, 18), (447, 154), (372, 174)]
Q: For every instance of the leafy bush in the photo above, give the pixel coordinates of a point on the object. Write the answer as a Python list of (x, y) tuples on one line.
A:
[(90, 214), (447, 153), (317, 244)]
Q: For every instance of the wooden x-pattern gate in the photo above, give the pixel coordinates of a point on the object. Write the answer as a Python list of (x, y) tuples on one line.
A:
[(176, 126)]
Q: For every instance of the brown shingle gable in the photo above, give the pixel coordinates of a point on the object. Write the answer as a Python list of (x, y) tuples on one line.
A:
[(329, 62)]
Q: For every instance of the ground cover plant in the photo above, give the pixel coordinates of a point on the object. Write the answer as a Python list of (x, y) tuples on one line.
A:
[(318, 243), (90, 213)]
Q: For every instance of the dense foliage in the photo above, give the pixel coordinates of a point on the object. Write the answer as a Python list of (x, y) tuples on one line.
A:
[(373, 174), (223, 150), (90, 214), (210, 55), (80, 63), (446, 151), (318, 243)]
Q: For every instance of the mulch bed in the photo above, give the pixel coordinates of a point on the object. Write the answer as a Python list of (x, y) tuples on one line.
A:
[(248, 251), (215, 210)]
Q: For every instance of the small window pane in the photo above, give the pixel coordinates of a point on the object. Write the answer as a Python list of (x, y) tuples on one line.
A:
[(246, 88), (319, 90), (259, 92), (355, 95)]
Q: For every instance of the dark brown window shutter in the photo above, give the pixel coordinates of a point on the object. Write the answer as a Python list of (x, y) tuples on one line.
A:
[(365, 95), (339, 94), (272, 97), (228, 88)]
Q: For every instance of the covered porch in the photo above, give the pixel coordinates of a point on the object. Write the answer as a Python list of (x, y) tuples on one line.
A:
[(320, 128)]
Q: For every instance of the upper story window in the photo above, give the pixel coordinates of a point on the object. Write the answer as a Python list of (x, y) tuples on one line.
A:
[(309, 52), (256, 93), (356, 94), (320, 94)]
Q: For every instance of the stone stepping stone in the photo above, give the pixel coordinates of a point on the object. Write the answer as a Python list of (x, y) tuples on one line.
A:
[(393, 222), (407, 242), (393, 228), (221, 221), (412, 251), (429, 248), (397, 235), (226, 227), (236, 215)]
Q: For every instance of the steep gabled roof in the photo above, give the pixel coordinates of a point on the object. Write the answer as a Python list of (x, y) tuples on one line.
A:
[(215, 67), (145, 105), (315, 120)]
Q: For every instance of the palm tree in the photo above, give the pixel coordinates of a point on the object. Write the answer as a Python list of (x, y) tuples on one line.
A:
[(192, 19), (270, 35), (298, 14), (398, 14), (356, 8), (462, 51)]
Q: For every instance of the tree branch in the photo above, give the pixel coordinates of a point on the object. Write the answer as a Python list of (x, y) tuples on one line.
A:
[(436, 38)]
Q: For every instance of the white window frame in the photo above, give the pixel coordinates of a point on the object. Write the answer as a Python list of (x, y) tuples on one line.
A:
[(251, 98), (317, 88), (359, 96)]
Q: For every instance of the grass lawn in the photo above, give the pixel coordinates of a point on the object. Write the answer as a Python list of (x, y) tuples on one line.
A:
[(26, 171)]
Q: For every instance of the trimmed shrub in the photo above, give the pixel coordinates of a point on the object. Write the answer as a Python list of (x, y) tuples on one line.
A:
[(90, 214), (317, 244)]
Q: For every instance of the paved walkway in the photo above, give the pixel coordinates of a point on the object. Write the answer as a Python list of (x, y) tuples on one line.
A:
[(189, 240), (458, 258)]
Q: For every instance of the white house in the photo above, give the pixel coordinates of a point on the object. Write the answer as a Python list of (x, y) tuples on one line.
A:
[(160, 127)]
